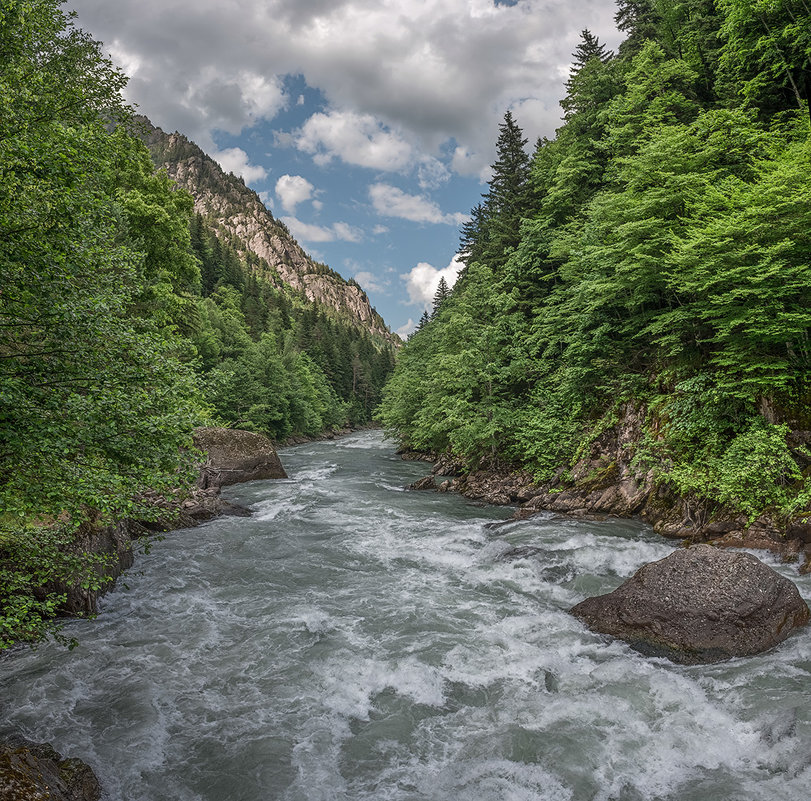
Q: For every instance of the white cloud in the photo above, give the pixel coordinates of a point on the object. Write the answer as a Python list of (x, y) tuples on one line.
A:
[(410, 75), (267, 199), (404, 330), (422, 281), (393, 202), (235, 160), (380, 229), (357, 139), (292, 190), (307, 232), (432, 173), (369, 281)]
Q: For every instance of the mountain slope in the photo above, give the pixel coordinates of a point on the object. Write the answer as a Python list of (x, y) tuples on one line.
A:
[(243, 222)]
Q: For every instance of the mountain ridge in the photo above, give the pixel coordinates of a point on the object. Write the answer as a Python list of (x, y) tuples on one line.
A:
[(240, 219)]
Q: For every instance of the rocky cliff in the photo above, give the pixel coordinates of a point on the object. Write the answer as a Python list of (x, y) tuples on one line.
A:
[(243, 222)]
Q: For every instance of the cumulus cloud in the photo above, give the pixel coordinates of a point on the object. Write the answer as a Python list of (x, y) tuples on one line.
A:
[(369, 281), (292, 190), (306, 232), (393, 202), (406, 73), (404, 330), (235, 160), (422, 281), (356, 139)]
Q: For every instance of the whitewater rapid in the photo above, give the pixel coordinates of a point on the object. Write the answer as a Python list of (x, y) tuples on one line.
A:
[(352, 641)]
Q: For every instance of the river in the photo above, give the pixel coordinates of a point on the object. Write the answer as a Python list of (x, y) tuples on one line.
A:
[(352, 641)]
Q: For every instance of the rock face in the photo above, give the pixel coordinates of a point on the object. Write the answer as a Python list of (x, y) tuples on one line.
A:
[(242, 220), (33, 772), (235, 456), (699, 605)]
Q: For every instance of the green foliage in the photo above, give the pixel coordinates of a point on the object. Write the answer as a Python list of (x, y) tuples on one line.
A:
[(767, 52), (94, 403), (661, 259), (124, 322)]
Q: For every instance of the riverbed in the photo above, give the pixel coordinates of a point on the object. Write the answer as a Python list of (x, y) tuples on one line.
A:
[(354, 641)]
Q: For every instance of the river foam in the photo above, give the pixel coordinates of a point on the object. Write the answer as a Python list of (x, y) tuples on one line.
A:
[(354, 641)]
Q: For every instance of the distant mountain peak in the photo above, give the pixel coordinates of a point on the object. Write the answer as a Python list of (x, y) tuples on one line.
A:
[(242, 221)]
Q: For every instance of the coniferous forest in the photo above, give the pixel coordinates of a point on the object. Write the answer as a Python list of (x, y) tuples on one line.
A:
[(654, 255)]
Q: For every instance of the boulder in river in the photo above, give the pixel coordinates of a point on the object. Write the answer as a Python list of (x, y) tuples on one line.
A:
[(234, 456), (33, 772), (699, 605)]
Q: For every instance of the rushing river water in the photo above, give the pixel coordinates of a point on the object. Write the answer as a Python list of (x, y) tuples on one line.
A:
[(352, 641)]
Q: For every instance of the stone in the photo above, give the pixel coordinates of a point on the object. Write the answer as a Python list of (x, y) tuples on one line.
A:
[(699, 605), (234, 456), (800, 529), (427, 483), (33, 772)]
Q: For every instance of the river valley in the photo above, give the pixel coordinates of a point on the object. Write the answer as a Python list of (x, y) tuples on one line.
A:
[(352, 641)]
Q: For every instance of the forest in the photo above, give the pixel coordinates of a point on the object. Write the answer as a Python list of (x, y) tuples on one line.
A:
[(654, 255), (125, 321)]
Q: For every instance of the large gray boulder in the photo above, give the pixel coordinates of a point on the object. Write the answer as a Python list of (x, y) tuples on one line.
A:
[(234, 456), (699, 605)]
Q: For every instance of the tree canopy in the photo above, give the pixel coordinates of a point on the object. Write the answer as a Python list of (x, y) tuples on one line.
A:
[(655, 252)]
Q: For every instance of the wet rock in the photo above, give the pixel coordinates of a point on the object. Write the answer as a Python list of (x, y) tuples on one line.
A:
[(448, 466), (235, 456), (35, 772), (800, 529), (699, 605), (521, 552), (427, 483), (756, 539), (407, 455)]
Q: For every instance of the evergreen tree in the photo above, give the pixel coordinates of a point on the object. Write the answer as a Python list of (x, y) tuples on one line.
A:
[(638, 19), (423, 321), (589, 48), (508, 198), (442, 293)]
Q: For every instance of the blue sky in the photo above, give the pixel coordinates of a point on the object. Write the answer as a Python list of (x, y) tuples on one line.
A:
[(367, 126)]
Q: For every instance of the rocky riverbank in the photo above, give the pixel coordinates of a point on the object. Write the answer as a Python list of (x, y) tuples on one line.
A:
[(605, 482), (231, 456), (34, 771)]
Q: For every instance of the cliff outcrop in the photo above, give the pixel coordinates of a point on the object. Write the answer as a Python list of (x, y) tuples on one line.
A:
[(242, 221)]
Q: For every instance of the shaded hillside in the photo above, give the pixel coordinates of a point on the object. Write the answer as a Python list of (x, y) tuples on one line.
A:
[(243, 222)]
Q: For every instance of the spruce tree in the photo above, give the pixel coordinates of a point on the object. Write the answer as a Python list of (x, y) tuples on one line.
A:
[(589, 48), (508, 199), (443, 292)]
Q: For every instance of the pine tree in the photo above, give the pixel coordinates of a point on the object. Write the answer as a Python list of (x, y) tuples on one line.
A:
[(508, 199), (443, 292), (638, 19), (589, 48), (473, 235)]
